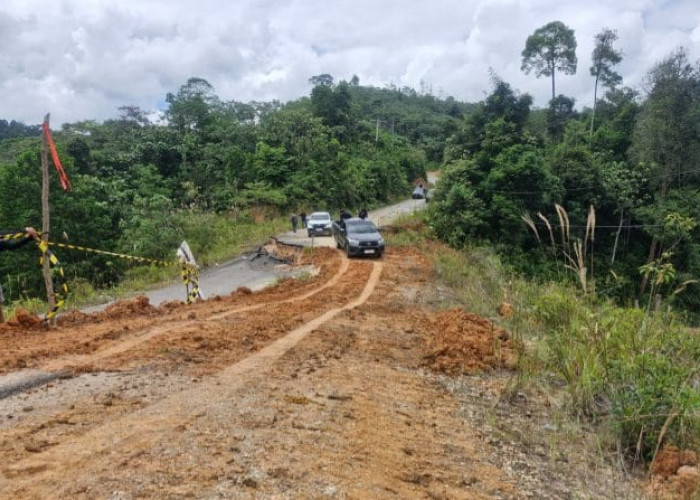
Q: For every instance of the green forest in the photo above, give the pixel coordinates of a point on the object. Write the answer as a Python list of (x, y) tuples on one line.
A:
[(210, 166), (606, 197)]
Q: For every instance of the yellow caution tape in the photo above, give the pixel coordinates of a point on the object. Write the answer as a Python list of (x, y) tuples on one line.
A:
[(113, 254), (190, 273), (60, 290), (13, 236)]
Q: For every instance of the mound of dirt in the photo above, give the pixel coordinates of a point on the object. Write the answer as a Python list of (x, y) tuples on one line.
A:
[(23, 320), (242, 290), (139, 306), (171, 305), (459, 342), (73, 317), (675, 474)]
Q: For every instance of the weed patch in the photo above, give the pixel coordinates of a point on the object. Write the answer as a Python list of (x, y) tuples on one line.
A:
[(632, 373)]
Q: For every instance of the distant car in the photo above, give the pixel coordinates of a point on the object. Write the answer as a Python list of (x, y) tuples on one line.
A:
[(358, 237), (319, 224), (418, 193)]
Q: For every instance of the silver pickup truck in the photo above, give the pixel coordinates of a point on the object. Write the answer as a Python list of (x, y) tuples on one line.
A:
[(358, 237)]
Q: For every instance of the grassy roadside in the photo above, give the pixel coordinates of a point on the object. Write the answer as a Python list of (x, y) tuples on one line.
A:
[(630, 375), (212, 238)]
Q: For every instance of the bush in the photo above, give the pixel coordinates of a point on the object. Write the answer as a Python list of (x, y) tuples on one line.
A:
[(635, 372)]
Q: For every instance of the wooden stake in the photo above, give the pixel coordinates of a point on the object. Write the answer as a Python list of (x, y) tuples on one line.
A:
[(45, 221)]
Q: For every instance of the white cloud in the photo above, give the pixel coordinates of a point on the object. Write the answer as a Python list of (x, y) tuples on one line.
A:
[(82, 59)]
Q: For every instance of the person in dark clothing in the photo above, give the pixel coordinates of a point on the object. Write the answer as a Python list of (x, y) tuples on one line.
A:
[(303, 220), (363, 214), (344, 214), (7, 243), (294, 222)]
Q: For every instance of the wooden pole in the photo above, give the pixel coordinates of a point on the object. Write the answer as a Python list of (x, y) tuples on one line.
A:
[(45, 221)]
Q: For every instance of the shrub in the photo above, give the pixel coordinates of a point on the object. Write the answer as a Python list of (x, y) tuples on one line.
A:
[(635, 372), (632, 372)]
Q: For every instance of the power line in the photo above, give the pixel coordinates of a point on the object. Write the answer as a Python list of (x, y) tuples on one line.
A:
[(624, 226), (584, 188)]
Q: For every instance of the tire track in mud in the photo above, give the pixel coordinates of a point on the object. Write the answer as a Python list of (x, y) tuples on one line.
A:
[(149, 333), (44, 476), (344, 266)]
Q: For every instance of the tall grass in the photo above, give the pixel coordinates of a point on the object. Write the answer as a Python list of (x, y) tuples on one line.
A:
[(213, 238), (634, 374), (637, 375), (573, 250)]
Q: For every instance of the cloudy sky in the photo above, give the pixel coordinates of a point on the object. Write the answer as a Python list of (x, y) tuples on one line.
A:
[(82, 59)]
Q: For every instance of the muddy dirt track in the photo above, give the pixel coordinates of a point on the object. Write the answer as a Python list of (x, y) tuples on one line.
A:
[(321, 387)]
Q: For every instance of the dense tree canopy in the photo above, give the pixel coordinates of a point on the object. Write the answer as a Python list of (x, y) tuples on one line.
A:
[(638, 169)]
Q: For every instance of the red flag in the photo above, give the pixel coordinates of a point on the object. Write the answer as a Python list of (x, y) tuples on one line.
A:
[(65, 182)]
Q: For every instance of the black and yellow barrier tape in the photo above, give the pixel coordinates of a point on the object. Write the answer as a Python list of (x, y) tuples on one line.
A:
[(60, 286), (190, 273), (190, 276), (13, 236), (113, 254)]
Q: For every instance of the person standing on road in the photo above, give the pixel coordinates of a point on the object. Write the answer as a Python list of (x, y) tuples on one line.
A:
[(13, 243), (303, 220), (294, 222), (363, 214), (344, 215)]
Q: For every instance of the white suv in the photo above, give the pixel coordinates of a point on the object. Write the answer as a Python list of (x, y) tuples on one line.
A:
[(319, 223)]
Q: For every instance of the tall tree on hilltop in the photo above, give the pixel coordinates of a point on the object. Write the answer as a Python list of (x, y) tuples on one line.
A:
[(324, 79), (190, 108), (605, 57), (550, 48)]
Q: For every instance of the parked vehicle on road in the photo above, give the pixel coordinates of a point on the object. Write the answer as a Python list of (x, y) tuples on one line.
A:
[(319, 224), (358, 237), (419, 192)]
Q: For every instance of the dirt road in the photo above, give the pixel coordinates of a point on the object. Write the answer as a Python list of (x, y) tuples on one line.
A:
[(338, 385)]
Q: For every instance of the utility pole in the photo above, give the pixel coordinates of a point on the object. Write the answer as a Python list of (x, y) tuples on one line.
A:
[(45, 224), (376, 134)]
